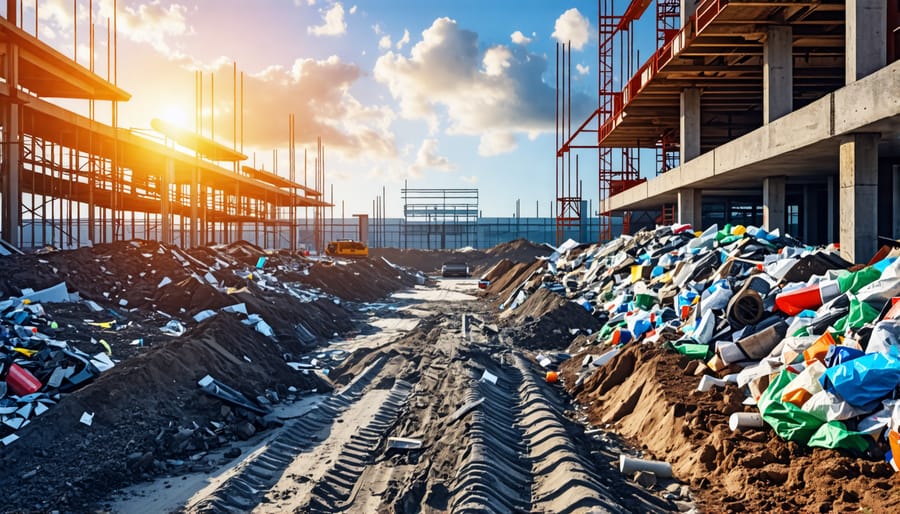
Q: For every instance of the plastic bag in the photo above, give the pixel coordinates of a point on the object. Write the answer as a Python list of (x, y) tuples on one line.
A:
[(804, 385), (864, 380), (789, 421)]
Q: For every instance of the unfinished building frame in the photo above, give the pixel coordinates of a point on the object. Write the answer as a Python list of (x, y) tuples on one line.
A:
[(440, 218), (794, 105), (70, 180)]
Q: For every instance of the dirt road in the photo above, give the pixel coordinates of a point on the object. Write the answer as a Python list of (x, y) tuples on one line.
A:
[(425, 417)]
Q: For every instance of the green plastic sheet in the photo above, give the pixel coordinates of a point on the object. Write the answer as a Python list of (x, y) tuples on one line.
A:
[(853, 282), (794, 424), (691, 350)]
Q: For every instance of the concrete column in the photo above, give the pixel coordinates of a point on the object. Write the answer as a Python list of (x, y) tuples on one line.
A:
[(690, 201), (896, 197), (773, 204), (690, 124), (859, 197), (830, 209), (778, 73), (865, 38)]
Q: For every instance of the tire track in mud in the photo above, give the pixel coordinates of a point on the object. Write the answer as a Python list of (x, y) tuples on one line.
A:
[(244, 490), (520, 457), (334, 493)]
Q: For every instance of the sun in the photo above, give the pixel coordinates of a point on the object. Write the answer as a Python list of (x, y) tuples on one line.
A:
[(175, 115)]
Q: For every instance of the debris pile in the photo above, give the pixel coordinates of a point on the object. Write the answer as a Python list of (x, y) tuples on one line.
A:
[(102, 369), (783, 343), (430, 261)]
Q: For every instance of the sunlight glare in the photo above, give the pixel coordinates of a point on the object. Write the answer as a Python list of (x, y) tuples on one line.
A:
[(175, 115)]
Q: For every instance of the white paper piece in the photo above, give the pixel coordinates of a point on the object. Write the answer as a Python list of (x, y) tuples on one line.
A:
[(263, 328), (40, 408), (87, 418), (102, 362), (54, 294), (240, 308), (173, 328), (205, 314), (164, 282), (8, 440), (94, 306), (489, 377)]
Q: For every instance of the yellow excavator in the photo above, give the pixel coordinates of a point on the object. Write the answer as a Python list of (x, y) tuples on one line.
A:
[(347, 248)]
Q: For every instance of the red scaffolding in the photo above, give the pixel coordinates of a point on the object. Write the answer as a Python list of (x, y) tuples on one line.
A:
[(618, 168), (568, 191)]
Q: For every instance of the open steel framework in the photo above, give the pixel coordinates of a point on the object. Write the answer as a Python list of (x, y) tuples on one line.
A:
[(70, 180), (440, 218)]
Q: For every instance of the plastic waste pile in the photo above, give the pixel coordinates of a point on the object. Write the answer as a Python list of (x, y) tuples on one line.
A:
[(812, 339), (35, 366)]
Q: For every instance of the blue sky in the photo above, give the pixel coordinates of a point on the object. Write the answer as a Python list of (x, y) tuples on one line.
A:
[(440, 93)]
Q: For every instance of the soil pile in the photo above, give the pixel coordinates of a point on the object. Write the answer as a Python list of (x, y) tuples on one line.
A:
[(430, 261), (545, 320), (257, 313), (150, 417), (649, 396)]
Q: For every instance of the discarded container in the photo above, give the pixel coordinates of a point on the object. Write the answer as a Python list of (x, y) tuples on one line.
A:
[(809, 297), (628, 466), (740, 420), (552, 377), (404, 443), (21, 381), (606, 357)]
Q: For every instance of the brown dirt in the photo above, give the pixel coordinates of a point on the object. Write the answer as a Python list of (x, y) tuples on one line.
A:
[(429, 261), (649, 396), (151, 417), (544, 320)]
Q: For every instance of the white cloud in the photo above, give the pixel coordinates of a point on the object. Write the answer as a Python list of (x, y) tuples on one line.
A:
[(353, 10), (317, 93), (427, 158), (497, 60), (447, 80), (404, 40), (496, 143), (572, 26), (333, 23), (520, 39), (150, 22), (385, 42), (582, 69), (471, 179), (377, 29)]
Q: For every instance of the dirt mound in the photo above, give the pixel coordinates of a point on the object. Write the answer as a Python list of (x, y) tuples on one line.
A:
[(519, 250), (504, 286), (363, 280), (149, 416), (546, 320), (429, 261), (650, 396)]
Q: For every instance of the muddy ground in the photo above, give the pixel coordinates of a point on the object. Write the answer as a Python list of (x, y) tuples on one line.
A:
[(153, 423)]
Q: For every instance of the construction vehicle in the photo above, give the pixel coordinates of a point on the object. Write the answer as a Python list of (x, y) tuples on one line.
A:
[(347, 248), (455, 269)]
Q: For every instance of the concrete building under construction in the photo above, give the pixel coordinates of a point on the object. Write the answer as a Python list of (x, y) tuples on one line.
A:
[(69, 180), (780, 112)]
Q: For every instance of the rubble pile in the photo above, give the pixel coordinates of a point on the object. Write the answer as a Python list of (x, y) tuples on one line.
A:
[(519, 250), (742, 356), (132, 359)]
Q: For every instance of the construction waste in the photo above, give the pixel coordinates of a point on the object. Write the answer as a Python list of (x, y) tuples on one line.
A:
[(787, 337)]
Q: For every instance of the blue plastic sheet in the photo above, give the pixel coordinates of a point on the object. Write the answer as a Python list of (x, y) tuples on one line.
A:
[(864, 380)]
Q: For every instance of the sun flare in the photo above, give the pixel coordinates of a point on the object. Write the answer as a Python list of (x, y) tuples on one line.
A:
[(176, 115)]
